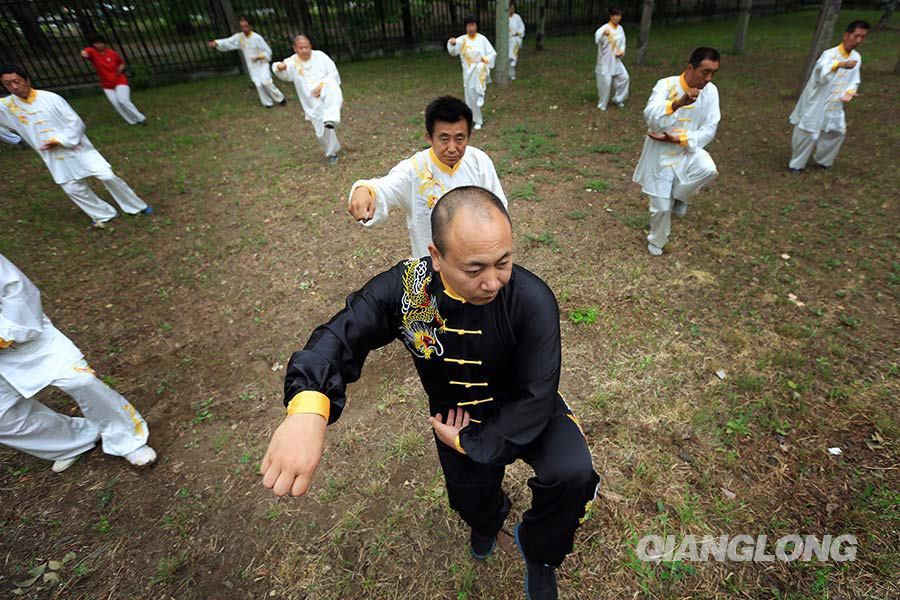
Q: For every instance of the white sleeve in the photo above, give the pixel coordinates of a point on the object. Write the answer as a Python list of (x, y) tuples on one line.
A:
[(453, 49), (286, 75), (707, 130), (21, 314), (598, 35), (658, 113), (232, 42), (825, 68), (392, 190), (622, 46), (491, 181), (264, 49), (71, 127)]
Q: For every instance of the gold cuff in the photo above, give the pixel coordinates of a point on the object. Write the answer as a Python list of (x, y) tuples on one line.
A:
[(669, 109), (834, 65), (682, 139), (310, 402), (458, 447), (5, 344)]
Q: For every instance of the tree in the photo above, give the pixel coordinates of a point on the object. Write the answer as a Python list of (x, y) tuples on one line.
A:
[(542, 24), (644, 35), (743, 23), (501, 66), (31, 29), (828, 15), (889, 7)]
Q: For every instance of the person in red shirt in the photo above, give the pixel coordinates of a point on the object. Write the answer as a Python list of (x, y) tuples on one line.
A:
[(111, 70)]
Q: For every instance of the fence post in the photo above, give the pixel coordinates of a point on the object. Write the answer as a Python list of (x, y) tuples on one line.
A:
[(542, 24), (743, 23), (644, 35), (824, 29), (501, 65)]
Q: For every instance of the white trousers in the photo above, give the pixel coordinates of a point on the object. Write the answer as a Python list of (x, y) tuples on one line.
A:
[(616, 82), (29, 426), (699, 171), (120, 98), (475, 100), (514, 47), (329, 143), (826, 143), (98, 210), (268, 92)]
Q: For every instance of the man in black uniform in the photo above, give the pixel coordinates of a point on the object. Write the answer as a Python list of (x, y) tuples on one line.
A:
[(484, 336)]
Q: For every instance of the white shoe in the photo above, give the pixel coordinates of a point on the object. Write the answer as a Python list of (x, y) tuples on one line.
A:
[(654, 250), (477, 126), (680, 208), (142, 457), (61, 465)]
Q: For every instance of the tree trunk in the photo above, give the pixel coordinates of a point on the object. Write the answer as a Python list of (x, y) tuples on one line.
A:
[(889, 7), (542, 24), (408, 34), (743, 23), (29, 26), (897, 67), (828, 15), (501, 66), (644, 35)]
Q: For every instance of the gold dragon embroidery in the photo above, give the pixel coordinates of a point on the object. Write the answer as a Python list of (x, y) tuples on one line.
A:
[(421, 320)]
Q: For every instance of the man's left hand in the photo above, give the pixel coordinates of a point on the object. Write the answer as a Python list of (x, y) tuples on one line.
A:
[(318, 91), (447, 432), (49, 144), (662, 136)]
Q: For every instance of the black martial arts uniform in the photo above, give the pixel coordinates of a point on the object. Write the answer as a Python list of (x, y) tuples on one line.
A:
[(500, 362)]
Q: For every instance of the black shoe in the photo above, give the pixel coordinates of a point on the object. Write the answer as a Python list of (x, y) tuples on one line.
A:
[(482, 545), (540, 580), (823, 167), (283, 102), (793, 170)]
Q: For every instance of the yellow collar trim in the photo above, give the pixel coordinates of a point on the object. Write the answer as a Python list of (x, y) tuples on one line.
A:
[(31, 97), (248, 34), (843, 50), (471, 37), (614, 25), (683, 83), (441, 166), (449, 290)]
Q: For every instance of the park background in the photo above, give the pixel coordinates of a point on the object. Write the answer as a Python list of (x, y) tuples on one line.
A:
[(785, 284)]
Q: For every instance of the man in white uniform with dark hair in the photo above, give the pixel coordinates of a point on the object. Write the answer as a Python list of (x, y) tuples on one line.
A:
[(318, 84), (610, 71), (818, 118), (477, 56), (682, 115), (516, 39), (257, 55), (49, 125)]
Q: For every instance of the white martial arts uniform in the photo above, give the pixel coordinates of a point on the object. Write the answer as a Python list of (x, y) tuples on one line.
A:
[(610, 70), (676, 172), (45, 116), (40, 356), (516, 39), (818, 118), (9, 137), (417, 183), (476, 73), (254, 46), (307, 76)]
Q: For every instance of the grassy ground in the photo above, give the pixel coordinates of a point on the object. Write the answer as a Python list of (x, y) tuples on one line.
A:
[(192, 313)]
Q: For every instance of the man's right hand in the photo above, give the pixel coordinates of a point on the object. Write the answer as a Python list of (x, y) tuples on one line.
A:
[(362, 204), (84, 54), (689, 97), (281, 66), (212, 43), (847, 64), (294, 453), (452, 41)]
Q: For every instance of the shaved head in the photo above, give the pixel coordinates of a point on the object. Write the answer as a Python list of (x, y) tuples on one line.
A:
[(299, 37), (478, 204)]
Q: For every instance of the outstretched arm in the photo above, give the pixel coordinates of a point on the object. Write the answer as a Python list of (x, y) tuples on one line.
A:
[(317, 377)]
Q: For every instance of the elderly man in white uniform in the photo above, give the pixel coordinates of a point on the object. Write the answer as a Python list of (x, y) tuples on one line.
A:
[(318, 85), (682, 115), (49, 125), (818, 118), (257, 55), (477, 56), (417, 183), (610, 71), (33, 355), (516, 39)]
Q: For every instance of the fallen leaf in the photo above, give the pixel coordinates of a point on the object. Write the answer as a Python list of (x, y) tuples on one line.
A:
[(728, 493)]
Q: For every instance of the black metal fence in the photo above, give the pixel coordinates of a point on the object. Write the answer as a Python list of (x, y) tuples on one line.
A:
[(168, 37)]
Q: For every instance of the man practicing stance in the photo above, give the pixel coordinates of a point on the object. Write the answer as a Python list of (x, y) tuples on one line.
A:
[(484, 337)]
